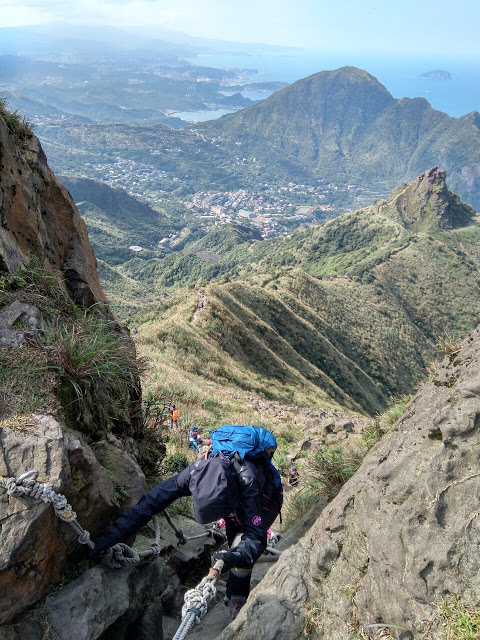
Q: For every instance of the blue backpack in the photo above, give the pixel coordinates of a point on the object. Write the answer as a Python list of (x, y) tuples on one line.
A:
[(245, 441)]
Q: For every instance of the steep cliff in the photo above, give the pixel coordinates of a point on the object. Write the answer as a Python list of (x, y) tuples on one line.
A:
[(402, 536), (38, 218)]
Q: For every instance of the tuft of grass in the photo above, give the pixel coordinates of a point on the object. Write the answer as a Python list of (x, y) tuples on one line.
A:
[(448, 345), (24, 384), (459, 622), (390, 416), (17, 124), (325, 474), (91, 351), (313, 621)]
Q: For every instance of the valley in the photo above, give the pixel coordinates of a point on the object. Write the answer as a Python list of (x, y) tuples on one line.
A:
[(309, 263)]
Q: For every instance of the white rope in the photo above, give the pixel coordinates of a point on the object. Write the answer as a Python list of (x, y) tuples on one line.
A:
[(120, 555), (196, 602)]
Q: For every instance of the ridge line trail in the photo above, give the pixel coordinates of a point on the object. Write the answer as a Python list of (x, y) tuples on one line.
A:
[(392, 200), (202, 302)]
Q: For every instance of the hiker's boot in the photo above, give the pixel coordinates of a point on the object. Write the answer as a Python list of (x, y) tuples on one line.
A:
[(235, 604)]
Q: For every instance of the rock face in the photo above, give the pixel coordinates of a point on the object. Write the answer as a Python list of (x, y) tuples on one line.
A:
[(35, 543), (402, 535), (38, 218), (90, 605), (428, 201)]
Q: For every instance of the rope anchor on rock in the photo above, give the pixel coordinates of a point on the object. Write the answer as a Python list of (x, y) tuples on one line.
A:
[(119, 555)]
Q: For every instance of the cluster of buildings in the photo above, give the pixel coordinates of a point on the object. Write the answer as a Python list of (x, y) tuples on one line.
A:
[(267, 211), (131, 176)]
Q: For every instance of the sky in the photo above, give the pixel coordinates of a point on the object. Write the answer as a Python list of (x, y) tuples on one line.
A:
[(449, 27)]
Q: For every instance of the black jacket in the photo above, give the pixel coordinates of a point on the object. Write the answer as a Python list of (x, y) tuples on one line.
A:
[(219, 489)]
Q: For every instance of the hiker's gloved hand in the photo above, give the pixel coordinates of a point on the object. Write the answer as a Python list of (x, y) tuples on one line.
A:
[(230, 558), (101, 545)]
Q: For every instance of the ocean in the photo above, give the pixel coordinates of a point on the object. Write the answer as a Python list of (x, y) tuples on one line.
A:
[(457, 96)]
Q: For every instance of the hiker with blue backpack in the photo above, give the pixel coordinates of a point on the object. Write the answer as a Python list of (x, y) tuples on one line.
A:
[(195, 440), (237, 482)]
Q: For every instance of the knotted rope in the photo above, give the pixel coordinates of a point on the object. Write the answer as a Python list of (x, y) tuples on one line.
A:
[(120, 555), (26, 485), (196, 601)]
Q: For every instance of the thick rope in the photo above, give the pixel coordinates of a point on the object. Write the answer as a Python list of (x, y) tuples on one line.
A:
[(196, 602), (120, 555), (26, 485)]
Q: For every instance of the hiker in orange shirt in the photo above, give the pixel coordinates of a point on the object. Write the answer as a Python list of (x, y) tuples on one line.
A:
[(174, 416)]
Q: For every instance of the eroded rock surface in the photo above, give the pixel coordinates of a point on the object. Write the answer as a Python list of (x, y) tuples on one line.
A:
[(35, 544), (403, 534), (38, 218), (100, 597)]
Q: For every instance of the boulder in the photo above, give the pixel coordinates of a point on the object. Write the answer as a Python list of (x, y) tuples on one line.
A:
[(18, 311), (402, 535), (35, 543), (124, 471), (33, 549), (28, 628), (105, 599), (11, 338), (89, 487)]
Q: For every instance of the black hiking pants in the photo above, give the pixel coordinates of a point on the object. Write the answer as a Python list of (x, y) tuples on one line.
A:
[(238, 583)]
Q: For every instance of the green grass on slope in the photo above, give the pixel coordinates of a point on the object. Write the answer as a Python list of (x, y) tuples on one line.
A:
[(213, 347)]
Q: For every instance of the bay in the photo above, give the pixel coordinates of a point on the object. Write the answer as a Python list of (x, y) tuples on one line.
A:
[(399, 74)]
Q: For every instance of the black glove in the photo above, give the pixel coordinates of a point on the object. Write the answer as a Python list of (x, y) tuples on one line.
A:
[(230, 558), (101, 545)]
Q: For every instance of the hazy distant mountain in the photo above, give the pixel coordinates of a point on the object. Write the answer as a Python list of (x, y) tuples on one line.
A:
[(345, 126)]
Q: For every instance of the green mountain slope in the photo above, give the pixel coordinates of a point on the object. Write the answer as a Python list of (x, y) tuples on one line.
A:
[(116, 221), (221, 252), (351, 310), (344, 125)]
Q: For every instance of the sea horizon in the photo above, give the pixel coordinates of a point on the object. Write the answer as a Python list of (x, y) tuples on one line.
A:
[(400, 75)]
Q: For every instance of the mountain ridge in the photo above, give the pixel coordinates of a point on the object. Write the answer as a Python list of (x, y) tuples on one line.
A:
[(352, 128)]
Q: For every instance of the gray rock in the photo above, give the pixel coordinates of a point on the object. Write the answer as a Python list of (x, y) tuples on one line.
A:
[(89, 487), (29, 628), (35, 543), (91, 604), (149, 626), (19, 311), (401, 536), (124, 470), (33, 549), (10, 338)]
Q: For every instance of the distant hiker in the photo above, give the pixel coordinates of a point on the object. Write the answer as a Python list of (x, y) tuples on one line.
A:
[(293, 476), (171, 407), (192, 438), (174, 416), (135, 331), (238, 483), (195, 440)]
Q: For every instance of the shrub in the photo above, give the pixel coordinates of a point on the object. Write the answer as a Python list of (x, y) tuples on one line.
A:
[(174, 463), (91, 352)]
